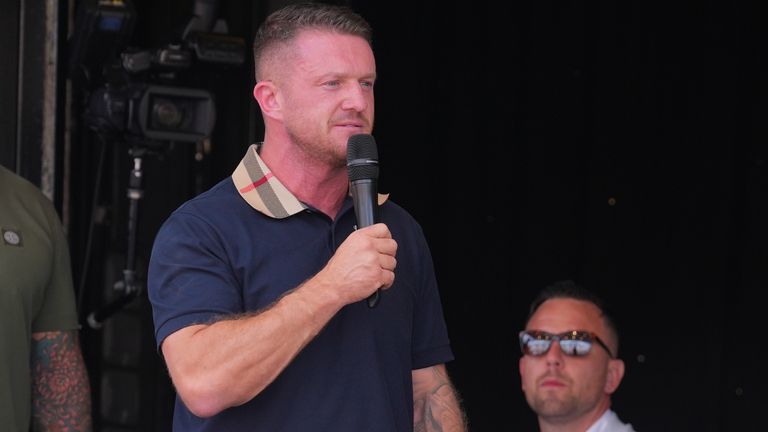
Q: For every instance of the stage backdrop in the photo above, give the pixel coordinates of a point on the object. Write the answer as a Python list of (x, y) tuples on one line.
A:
[(620, 145)]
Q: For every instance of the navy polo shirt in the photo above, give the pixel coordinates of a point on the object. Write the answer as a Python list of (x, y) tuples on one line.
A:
[(222, 253)]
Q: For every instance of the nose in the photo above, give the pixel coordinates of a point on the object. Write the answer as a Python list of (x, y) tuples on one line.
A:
[(554, 356), (356, 98)]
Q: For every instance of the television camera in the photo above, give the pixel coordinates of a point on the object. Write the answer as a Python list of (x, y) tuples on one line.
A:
[(134, 93)]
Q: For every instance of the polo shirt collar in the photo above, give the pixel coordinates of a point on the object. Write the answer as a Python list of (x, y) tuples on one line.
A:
[(263, 191)]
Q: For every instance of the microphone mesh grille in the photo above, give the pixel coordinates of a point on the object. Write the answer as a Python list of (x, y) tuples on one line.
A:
[(362, 157)]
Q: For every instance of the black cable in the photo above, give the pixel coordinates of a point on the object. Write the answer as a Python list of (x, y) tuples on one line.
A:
[(91, 225)]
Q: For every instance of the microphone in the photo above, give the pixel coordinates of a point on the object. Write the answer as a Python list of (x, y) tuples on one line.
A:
[(363, 168)]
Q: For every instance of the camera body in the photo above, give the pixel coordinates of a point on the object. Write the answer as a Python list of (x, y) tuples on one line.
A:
[(154, 112), (133, 93)]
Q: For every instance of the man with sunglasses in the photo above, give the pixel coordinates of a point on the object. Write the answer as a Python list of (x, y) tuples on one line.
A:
[(569, 383)]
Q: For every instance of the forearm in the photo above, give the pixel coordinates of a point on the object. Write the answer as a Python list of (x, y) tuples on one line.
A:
[(436, 403), (61, 397), (229, 362)]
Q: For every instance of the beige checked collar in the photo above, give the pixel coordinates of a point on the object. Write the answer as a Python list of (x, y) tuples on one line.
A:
[(263, 191)]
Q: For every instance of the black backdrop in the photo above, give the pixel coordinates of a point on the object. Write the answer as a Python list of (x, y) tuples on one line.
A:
[(621, 145)]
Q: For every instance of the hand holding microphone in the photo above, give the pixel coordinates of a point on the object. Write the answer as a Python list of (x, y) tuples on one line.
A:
[(363, 169), (363, 263)]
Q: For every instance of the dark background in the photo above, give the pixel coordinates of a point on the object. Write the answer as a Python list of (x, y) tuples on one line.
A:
[(620, 145)]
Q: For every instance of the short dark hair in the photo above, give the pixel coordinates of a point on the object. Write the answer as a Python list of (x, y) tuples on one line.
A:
[(569, 289), (284, 24)]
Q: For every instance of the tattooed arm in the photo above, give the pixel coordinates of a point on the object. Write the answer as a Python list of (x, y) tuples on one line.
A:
[(61, 397), (436, 406)]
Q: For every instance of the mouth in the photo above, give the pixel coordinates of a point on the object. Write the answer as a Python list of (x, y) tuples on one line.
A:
[(553, 380), (351, 125), (552, 383), (352, 122)]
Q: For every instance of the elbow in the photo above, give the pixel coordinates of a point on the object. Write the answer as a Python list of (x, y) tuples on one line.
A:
[(201, 397), (201, 408), (204, 396)]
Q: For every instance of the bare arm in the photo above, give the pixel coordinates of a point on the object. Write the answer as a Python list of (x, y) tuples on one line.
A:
[(227, 363), (61, 396), (436, 404)]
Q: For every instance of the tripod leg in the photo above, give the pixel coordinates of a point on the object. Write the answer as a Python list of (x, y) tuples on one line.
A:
[(128, 284)]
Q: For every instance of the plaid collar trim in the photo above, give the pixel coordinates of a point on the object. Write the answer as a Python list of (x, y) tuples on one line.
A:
[(264, 192), (261, 189)]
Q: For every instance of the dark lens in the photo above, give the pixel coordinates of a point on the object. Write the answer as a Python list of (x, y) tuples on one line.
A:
[(537, 347), (575, 347), (534, 344)]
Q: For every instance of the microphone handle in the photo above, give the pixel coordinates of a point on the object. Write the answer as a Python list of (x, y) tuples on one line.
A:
[(364, 196), (373, 299)]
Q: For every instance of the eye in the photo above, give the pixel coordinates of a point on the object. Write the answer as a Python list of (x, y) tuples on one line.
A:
[(538, 347), (575, 347), (366, 84)]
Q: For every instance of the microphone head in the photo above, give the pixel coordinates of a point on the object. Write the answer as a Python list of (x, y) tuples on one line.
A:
[(362, 157)]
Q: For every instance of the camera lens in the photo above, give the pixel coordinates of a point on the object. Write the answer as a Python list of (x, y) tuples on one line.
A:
[(167, 114), (174, 113)]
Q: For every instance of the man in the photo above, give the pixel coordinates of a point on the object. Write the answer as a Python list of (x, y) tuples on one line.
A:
[(43, 381), (258, 286), (569, 383)]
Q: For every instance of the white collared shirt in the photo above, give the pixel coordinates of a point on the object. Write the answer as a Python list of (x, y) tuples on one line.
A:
[(610, 422)]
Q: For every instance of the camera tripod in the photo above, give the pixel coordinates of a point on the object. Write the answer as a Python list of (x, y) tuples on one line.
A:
[(129, 285)]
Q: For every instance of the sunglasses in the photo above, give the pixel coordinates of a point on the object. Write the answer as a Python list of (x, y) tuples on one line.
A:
[(577, 343)]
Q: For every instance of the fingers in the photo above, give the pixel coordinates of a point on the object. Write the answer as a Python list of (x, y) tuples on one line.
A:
[(363, 263), (381, 237), (387, 264), (386, 248), (378, 230)]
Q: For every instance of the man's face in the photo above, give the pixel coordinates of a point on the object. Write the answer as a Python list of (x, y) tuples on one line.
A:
[(327, 92), (559, 387)]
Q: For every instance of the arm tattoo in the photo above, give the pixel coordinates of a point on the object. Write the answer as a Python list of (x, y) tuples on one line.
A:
[(61, 398), (438, 409)]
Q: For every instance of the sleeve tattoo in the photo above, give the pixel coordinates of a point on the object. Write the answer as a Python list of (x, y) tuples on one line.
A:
[(436, 403), (61, 398)]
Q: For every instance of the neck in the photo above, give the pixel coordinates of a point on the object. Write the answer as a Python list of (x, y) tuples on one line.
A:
[(313, 182), (579, 424)]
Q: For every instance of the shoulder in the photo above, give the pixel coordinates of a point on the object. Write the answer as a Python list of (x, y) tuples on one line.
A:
[(401, 222), (16, 187), (217, 202), (25, 200), (393, 213), (217, 213)]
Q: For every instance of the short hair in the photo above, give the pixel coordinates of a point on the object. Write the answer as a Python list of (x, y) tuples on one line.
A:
[(568, 289), (283, 25)]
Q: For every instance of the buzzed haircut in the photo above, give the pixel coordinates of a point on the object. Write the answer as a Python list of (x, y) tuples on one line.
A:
[(568, 289), (283, 25)]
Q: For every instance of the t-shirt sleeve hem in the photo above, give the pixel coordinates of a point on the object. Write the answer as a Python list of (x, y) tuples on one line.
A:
[(431, 357)]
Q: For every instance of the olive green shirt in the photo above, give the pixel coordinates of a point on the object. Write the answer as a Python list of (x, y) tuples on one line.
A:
[(36, 292)]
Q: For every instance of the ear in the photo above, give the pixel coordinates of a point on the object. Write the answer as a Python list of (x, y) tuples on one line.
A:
[(266, 94), (614, 376)]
